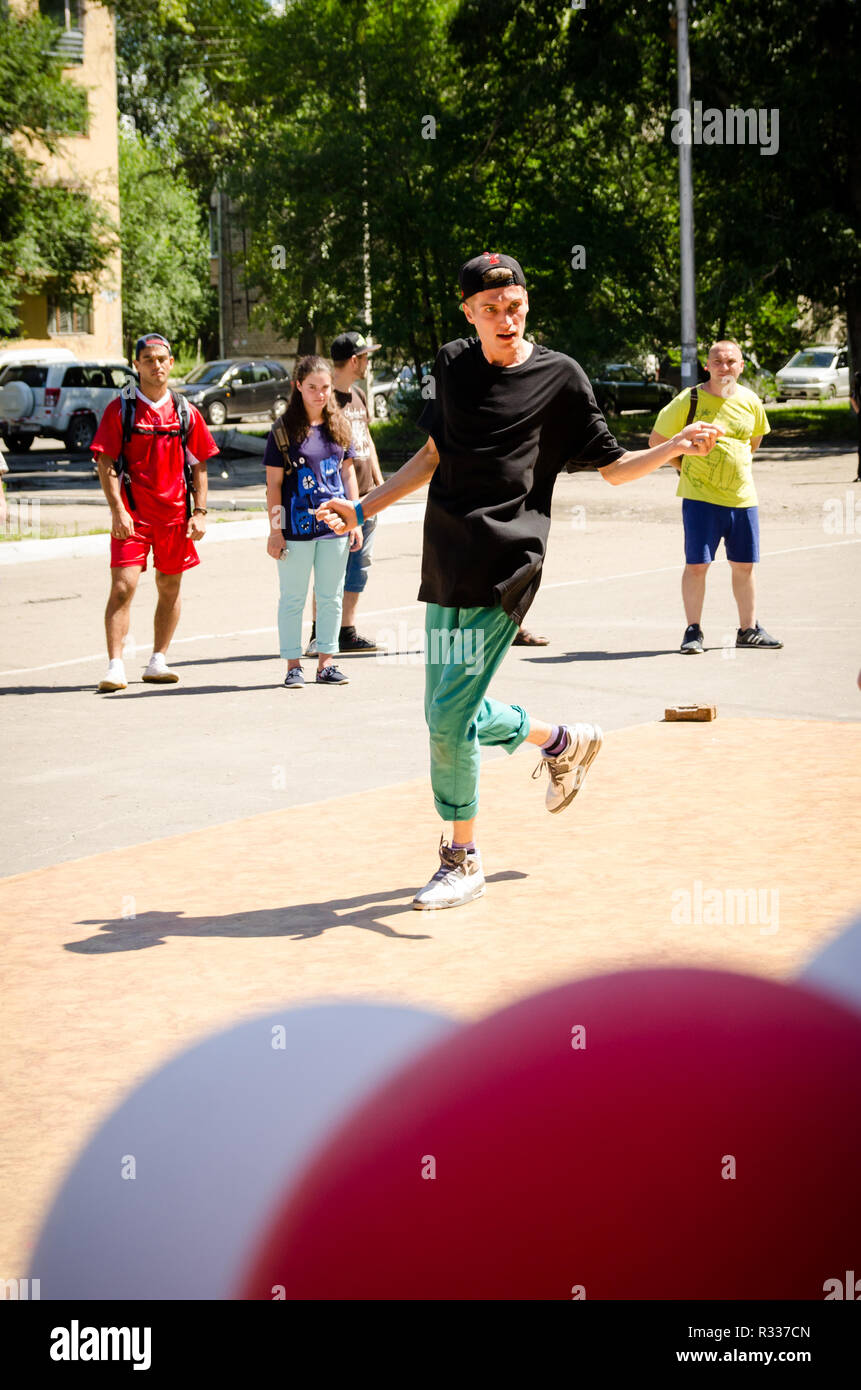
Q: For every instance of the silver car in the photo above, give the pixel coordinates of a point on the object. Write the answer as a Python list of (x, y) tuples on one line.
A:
[(815, 373), (60, 400)]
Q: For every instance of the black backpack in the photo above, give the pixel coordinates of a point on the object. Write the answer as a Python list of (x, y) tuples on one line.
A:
[(128, 398)]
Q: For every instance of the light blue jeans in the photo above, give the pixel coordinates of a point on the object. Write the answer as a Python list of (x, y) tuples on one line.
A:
[(327, 556)]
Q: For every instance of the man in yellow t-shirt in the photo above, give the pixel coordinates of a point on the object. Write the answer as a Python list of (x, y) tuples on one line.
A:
[(717, 491)]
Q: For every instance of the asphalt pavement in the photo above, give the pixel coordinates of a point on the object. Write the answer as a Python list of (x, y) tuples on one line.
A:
[(85, 773)]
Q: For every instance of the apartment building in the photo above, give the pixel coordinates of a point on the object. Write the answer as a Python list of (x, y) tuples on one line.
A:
[(90, 325)]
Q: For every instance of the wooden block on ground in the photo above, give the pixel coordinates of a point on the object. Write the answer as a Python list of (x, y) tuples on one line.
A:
[(698, 713)]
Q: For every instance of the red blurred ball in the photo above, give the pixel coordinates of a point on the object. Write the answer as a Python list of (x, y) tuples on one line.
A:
[(699, 1140)]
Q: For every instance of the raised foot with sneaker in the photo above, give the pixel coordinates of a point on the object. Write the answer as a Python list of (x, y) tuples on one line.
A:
[(693, 639), (568, 769), (158, 672), (459, 879)]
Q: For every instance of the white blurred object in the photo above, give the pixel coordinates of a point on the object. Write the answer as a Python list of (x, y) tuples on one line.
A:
[(216, 1135), (836, 969)]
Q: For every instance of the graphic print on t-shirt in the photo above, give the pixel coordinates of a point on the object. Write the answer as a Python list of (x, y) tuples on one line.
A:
[(315, 477), (355, 409)]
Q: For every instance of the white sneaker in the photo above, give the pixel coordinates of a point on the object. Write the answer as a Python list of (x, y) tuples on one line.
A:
[(158, 670), (568, 769), (458, 880), (311, 649), (115, 676)]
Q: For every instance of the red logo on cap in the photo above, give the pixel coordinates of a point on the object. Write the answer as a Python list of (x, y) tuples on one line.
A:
[(492, 257)]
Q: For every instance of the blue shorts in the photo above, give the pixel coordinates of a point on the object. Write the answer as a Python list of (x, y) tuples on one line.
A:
[(707, 524), (360, 560)]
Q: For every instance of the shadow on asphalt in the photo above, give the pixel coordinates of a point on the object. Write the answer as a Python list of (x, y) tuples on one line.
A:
[(603, 656), (301, 922)]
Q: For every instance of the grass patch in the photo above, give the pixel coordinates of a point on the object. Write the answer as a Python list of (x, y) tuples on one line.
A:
[(805, 424), (53, 532), (398, 440)]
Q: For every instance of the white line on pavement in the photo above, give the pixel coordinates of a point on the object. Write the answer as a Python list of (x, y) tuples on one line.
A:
[(406, 607), (75, 547)]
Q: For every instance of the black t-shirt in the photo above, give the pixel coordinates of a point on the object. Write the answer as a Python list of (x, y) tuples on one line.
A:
[(503, 435)]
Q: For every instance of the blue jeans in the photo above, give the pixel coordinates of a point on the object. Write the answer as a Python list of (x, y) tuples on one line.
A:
[(327, 556), (359, 561)]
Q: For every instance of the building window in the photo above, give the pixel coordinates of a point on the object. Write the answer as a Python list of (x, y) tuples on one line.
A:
[(68, 15), (70, 316)]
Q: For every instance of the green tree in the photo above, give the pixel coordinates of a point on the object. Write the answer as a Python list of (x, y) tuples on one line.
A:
[(50, 236), (788, 223), (165, 246)]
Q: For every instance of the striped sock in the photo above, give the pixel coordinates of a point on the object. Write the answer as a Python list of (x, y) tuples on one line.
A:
[(556, 742)]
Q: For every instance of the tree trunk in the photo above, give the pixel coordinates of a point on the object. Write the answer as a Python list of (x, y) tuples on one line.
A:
[(307, 341), (853, 323)]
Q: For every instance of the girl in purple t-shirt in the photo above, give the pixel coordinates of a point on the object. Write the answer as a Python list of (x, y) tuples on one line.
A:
[(320, 467)]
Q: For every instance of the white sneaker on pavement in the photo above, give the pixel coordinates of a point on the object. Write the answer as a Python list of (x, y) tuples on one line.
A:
[(458, 880), (569, 767), (115, 676), (158, 670)]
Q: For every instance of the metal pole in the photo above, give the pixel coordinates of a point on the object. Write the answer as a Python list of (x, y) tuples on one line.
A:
[(366, 230), (220, 276), (686, 207)]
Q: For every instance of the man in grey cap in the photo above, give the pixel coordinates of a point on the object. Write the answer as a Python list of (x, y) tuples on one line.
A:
[(349, 353)]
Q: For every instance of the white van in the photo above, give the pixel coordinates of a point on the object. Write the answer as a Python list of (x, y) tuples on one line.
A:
[(819, 373)]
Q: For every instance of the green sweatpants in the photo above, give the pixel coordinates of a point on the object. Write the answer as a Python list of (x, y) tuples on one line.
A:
[(463, 648)]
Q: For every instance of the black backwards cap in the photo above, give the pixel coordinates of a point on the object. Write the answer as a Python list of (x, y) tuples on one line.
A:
[(472, 273)]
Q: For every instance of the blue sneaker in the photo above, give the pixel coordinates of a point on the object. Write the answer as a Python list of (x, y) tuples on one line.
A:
[(330, 675), (294, 680)]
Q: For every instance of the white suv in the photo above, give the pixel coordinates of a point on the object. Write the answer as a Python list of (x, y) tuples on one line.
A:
[(60, 400), (818, 373)]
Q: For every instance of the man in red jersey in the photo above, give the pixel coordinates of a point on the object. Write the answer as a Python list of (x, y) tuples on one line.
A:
[(150, 506)]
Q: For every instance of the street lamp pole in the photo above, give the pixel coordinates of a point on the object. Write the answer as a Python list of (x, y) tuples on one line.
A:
[(686, 205), (366, 228)]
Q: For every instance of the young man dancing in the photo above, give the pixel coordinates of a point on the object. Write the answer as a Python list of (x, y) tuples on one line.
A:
[(507, 416)]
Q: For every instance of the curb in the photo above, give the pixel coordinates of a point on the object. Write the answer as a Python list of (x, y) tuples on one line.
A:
[(75, 547)]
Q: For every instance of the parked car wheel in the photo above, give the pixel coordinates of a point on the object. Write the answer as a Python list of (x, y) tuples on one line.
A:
[(19, 443), (216, 413), (80, 434), (829, 394), (608, 405), (279, 407)]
